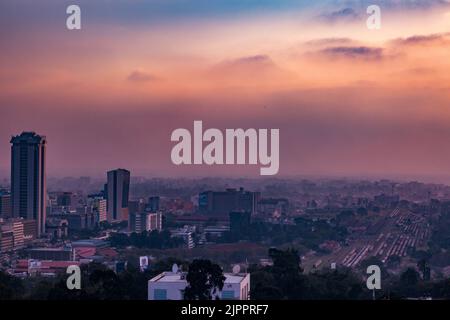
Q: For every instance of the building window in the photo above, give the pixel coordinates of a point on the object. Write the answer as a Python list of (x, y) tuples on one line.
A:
[(227, 294), (160, 294)]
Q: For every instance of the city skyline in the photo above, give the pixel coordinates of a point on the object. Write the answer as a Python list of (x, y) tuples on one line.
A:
[(237, 150), (348, 101)]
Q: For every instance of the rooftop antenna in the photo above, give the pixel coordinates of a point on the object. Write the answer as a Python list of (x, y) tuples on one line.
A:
[(236, 269)]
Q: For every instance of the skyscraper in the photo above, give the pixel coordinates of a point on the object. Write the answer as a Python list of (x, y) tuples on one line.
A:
[(118, 191), (28, 182)]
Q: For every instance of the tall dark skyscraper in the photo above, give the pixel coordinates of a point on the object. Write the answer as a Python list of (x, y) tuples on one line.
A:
[(118, 189), (28, 178)]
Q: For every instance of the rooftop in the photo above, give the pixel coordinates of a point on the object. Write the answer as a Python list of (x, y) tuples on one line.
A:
[(28, 137), (181, 277)]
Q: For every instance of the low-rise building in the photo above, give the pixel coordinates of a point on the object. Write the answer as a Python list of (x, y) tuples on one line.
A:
[(145, 221), (16, 227), (29, 230), (47, 268), (55, 254), (185, 233), (170, 286), (57, 228)]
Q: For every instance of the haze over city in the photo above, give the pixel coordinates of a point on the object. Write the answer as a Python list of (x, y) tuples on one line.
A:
[(259, 151), (348, 101)]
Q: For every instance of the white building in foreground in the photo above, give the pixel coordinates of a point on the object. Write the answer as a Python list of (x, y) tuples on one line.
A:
[(170, 286)]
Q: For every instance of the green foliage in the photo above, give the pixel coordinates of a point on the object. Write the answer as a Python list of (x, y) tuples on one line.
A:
[(441, 237), (307, 232), (285, 280), (11, 288), (204, 279), (362, 211), (100, 283)]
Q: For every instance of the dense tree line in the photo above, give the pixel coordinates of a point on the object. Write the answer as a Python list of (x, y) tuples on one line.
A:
[(305, 231), (286, 280), (283, 280), (97, 283)]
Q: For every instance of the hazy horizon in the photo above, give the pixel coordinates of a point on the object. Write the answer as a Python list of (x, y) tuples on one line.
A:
[(348, 101)]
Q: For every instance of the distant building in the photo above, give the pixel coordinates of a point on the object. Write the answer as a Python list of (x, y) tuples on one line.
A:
[(55, 254), (186, 233), (90, 243), (98, 206), (5, 205), (386, 201), (239, 224), (154, 222), (145, 221), (137, 222), (47, 268), (216, 231), (28, 178), (273, 207), (136, 206), (29, 230), (6, 240), (16, 227), (170, 286), (64, 199), (118, 189), (224, 202), (57, 228), (153, 204), (82, 218)]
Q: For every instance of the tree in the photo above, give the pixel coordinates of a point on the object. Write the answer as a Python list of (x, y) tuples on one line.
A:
[(362, 211), (11, 288), (264, 285), (285, 261), (410, 277), (288, 273), (394, 261), (204, 279)]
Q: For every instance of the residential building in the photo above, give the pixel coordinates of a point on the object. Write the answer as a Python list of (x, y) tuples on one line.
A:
[(186, 233), (6, 240), (5, 205)]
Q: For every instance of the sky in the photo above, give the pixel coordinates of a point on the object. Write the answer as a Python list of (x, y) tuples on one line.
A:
[(347, 100)]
